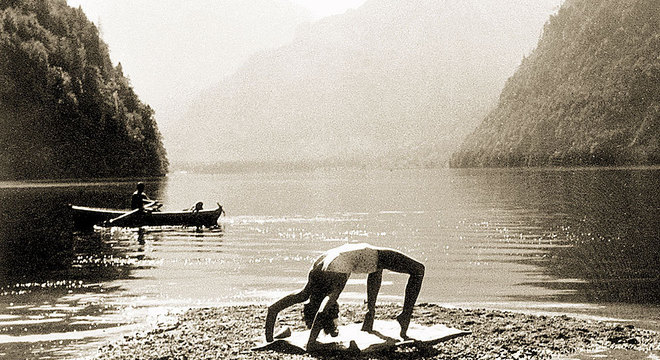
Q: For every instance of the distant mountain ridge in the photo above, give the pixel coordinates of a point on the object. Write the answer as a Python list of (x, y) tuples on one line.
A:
[(392, 81), (65, 110), (588, 95)]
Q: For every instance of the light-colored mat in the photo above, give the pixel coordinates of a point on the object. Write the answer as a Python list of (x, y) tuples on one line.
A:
[(385, 335)]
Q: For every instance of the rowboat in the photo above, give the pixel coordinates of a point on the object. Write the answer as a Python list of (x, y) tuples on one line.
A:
[(86, 217)]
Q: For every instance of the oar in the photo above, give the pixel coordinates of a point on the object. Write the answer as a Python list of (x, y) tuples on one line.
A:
[(156, 205), (128, 214), (123, 216)]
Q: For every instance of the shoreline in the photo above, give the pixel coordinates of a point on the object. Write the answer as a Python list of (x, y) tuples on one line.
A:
[(231, 332)]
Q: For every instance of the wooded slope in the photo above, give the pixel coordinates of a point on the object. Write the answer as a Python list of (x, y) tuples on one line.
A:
[(588, 95), (65, 111)]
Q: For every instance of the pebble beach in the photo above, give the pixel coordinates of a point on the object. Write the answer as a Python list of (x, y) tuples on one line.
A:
[(230, 333)]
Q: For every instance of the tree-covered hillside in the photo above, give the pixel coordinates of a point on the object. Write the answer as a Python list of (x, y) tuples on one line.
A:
[(65, 111), (588, 95)]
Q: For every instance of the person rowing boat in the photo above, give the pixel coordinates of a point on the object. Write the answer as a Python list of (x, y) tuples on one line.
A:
[(140, 200), (140, 203)]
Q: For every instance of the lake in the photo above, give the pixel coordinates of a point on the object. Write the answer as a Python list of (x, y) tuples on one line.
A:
[(578, 241)]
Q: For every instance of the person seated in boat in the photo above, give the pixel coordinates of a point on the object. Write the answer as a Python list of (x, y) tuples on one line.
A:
[(199, 206), (327, 279), (139, 199)]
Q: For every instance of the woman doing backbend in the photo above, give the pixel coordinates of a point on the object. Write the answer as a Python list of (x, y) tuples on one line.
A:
[(329, 275)]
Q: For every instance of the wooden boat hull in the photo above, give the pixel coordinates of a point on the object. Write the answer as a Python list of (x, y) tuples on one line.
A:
[(87, 217)]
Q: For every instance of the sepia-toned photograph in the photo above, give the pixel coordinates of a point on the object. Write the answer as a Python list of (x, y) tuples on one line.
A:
[(330, 179)]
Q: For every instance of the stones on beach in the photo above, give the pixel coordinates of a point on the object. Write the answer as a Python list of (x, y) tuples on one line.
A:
[(230, 332)]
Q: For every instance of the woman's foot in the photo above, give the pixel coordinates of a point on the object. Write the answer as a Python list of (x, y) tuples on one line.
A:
[(404, 322), (283, 333), (368, 324), (313, 346), (353, 347)]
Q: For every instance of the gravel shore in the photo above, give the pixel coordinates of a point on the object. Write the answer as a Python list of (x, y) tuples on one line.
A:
[(230, 332)]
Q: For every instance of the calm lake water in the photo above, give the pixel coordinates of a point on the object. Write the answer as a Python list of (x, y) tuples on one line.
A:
[(579, 241)]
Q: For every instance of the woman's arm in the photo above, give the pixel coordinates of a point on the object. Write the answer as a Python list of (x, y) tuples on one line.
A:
[(373, 286), (317, 326)]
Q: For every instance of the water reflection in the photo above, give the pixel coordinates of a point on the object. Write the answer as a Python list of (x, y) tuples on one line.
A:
[(524, 236), (37, 241), (607, 240), (98, 300), (54, 281)]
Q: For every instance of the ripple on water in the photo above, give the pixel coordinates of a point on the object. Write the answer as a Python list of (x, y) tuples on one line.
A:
[(485, 237)]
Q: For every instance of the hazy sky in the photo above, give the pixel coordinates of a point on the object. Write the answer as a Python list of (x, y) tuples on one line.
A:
[(321, 8), (171, 50)]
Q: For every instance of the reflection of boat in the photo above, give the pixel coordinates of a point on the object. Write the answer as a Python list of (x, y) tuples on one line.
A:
[(86, 217)]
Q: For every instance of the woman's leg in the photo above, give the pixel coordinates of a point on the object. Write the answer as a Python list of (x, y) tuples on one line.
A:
[(315, 281), (283, 303), (399, 262)]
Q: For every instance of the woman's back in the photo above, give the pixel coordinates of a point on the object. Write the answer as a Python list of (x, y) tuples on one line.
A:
[(350, 258)]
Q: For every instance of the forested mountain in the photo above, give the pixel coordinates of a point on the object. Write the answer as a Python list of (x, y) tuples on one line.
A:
[(392, 82), (588, 95), (65, 110)]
